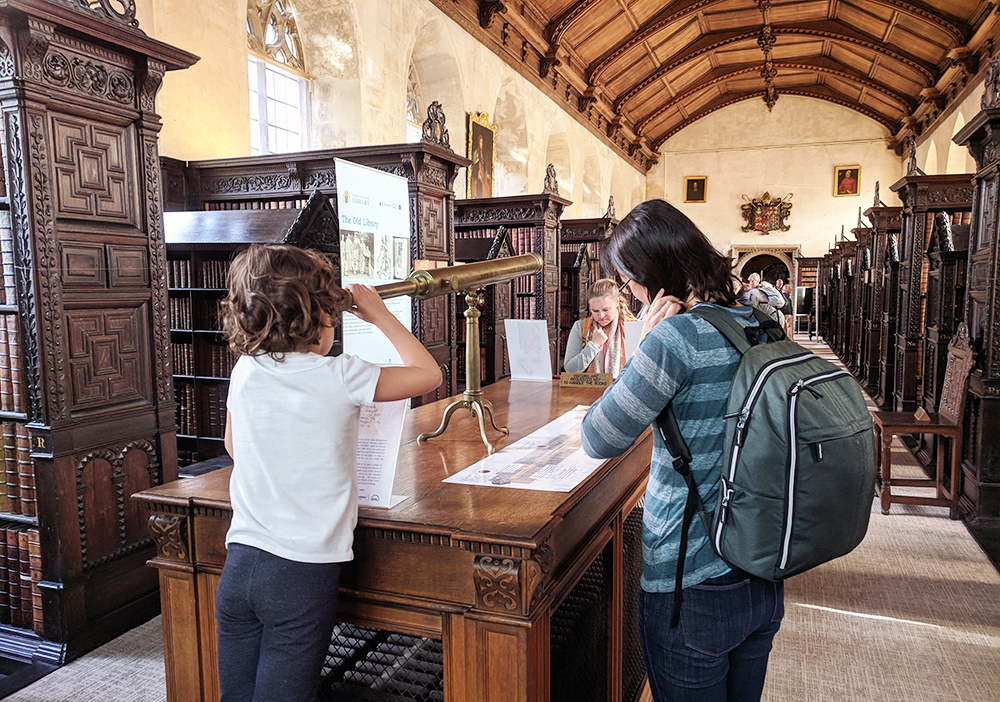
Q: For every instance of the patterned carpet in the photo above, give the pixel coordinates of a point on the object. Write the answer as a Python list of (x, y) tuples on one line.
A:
[(912, 614)]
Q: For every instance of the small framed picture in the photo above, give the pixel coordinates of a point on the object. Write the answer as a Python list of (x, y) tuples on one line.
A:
[(482, 150), (846, 181), (694, 188)]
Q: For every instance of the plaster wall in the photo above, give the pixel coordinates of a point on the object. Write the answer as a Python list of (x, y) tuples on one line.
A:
[(205, 108), (745, 150)]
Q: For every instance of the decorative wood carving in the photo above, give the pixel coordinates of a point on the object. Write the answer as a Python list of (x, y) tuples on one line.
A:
[(24, 270), (108, 356), (94, 166), (551, 185), (433, 130), (170, 534), (106, 478)]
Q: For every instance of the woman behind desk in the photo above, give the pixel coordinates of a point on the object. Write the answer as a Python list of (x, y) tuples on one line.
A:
[(728, 618), (597, 344)]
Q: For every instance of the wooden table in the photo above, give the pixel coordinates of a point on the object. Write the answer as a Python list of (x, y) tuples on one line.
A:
[(484, 570)]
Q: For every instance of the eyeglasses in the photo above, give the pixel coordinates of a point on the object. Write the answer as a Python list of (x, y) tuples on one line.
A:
[(624, 285)]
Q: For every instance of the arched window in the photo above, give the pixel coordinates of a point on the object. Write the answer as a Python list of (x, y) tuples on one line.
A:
[(414, 115), (279, 85)]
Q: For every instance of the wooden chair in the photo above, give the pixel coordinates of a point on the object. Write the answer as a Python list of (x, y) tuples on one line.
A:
[(946, 423)]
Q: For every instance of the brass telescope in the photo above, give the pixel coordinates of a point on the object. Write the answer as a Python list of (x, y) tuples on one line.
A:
[(467, 278)]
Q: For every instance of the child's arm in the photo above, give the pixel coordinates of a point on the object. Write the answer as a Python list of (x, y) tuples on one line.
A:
[(229, 434), (420, 373)]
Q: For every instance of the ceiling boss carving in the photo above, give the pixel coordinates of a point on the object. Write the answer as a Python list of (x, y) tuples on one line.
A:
[(638, 72)]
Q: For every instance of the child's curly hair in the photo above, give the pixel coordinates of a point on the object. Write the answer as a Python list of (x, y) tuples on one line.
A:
[(280, 299)]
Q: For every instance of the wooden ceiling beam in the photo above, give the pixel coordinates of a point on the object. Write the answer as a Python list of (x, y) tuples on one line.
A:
[(834, 32), (819, 66), (656, 23)]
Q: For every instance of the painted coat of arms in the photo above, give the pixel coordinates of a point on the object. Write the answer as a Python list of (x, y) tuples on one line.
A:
[(767, 214)]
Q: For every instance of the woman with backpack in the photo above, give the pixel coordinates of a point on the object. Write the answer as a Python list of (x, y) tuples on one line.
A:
[(718, 652)]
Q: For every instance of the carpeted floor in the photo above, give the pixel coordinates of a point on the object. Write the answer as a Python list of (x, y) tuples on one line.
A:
[(912, 614)]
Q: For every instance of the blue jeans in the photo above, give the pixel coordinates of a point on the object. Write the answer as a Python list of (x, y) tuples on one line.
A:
[(718, 652), (275, 619)]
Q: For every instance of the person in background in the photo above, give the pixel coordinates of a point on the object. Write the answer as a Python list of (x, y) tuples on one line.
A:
[(728, 618), (758, 298), (596, 344), (292, 431)]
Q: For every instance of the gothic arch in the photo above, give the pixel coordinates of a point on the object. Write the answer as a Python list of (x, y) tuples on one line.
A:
[(434, 58), (787, 255), (559, 154), (511, 170)]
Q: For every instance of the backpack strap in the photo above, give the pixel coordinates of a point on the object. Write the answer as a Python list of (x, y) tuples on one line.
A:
[(670, 432), (739, 337)]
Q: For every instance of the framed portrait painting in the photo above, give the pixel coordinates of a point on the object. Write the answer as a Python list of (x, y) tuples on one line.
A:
[(846, 181), (694, 188), (482, 148)]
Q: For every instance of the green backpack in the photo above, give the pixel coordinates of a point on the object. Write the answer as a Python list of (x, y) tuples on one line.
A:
[(798, 472)]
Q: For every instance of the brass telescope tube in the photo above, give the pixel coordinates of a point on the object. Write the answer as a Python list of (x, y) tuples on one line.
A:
[(466, 278), (461, 278)]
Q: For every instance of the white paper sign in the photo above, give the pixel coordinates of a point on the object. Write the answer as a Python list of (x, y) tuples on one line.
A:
[(374, 214), (633, 330), (528, 349), (379, 434), (550, 458)]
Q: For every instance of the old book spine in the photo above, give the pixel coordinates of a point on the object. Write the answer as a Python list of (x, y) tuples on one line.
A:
[(35, 562), (4, 579), (25, 472), (14, 352), (6, 383), (10, 468), (14, 575), (24, 581)]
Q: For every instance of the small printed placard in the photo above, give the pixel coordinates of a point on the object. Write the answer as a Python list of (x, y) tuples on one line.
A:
[(585, 380)]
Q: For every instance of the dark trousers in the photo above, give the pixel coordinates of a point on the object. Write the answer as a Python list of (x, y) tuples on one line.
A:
[(275, 619), (719, 651)]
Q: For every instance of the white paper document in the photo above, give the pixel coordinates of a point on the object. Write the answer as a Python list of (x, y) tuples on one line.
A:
[(379, 433), (550, 458), (633, 330), (528, 348)]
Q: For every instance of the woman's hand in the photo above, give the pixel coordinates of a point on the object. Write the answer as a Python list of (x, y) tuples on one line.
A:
[(597, 334), (661, 307)]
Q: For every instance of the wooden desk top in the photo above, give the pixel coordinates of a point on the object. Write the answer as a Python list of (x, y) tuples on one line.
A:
[(511, 516)]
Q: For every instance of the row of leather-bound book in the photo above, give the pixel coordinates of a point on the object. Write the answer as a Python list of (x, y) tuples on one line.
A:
[(20, 573)]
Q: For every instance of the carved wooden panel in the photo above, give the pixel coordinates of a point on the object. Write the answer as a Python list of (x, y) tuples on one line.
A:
[(94, 170), (111, 523), (108, 356), (432, 228), (83, 264), (433, 319), (127, 267)]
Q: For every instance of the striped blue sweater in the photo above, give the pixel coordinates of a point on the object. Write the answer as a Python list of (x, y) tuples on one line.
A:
[(683, 360)]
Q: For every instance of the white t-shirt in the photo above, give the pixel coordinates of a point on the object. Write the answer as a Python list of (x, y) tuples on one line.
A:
[(294, 488)]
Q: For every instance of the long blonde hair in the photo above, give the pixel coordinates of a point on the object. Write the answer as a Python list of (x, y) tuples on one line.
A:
[(606, 287)]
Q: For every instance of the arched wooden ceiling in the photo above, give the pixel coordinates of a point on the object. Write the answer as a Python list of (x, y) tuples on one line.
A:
[(639, 71)]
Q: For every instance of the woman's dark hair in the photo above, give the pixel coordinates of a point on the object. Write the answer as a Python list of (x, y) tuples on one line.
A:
[(280, 299), (658, 247)]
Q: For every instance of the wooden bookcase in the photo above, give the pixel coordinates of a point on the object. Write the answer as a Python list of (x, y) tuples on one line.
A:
[(86, 400), (200, 247), (923, 197), (533, 222), (498, 305), (886, 223), (981, 450), (268, 184)]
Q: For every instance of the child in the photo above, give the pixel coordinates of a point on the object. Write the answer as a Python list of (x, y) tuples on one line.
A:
[(292, 430)]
